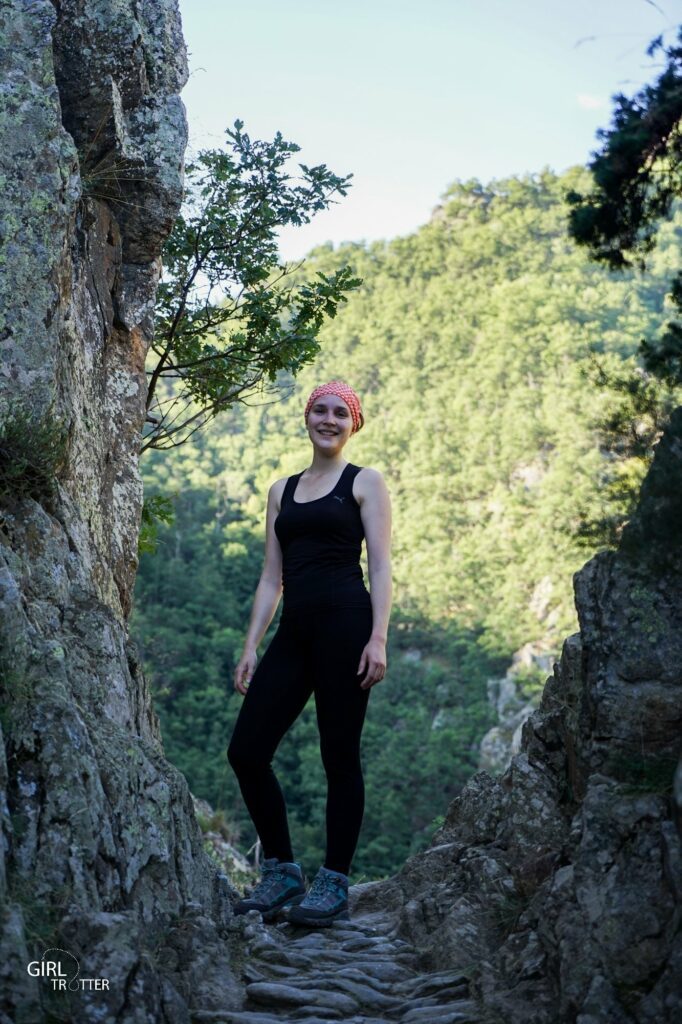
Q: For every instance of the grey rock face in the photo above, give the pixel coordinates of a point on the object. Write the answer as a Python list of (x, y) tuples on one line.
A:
[(503, 740), (101, 854), (119, 68), (558, 883)]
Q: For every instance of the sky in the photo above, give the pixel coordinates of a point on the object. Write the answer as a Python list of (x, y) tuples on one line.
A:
[(411, 95)]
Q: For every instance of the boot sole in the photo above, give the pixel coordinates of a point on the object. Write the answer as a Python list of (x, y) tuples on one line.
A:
[(272, 912), (319, 922), (270, 915)]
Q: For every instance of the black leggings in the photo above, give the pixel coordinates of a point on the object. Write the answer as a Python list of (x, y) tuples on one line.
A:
[(317, 651)]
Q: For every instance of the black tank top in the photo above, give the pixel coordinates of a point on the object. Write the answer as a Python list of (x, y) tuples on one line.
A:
[(321, 542)]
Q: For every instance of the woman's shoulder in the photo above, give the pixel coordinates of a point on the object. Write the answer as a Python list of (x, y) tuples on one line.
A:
[(276, 491), (277, 488), (369, 473), (281, 481), (368, 481)]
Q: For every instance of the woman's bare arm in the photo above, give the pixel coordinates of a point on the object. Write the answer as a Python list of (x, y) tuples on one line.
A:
[(375, 510), (269, 589)]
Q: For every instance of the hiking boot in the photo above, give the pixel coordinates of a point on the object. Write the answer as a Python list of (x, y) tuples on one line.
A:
[(326, 901), (281, 883)]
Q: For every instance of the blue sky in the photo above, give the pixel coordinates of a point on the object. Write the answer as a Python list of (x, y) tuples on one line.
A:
[(410, 95)]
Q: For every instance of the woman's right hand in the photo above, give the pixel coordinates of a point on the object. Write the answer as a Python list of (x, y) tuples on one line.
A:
[(246, 666)]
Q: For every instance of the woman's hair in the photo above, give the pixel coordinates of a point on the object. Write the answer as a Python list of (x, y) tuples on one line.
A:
[(344, 391)]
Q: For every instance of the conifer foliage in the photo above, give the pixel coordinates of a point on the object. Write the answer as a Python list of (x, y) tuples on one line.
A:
[(637, 176)]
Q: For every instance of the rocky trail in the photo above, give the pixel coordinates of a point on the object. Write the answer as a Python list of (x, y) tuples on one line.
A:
[(356, 971)]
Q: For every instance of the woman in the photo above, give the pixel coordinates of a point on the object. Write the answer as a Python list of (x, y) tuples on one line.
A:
[(331, 642)]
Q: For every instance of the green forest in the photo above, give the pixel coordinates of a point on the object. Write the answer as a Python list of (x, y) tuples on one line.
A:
[(475, 345)]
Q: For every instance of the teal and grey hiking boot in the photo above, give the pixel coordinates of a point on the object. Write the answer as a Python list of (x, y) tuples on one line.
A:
[(327, 901), (281, 883)]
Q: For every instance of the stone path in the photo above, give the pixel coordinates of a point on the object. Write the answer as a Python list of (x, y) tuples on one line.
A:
[(352, 972)]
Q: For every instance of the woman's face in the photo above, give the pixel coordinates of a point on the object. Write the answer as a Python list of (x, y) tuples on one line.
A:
[(329, 422)]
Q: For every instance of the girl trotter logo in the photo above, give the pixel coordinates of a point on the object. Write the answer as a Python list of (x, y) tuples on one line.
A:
[(59, 971)]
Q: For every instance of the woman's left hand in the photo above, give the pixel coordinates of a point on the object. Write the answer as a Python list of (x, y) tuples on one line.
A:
[(373, 660)]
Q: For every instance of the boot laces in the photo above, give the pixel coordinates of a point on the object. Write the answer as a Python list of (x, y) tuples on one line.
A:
[(322, 886), (270, 877)]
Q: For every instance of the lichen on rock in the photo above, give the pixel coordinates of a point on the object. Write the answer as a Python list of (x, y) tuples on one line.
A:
[(101, 850)]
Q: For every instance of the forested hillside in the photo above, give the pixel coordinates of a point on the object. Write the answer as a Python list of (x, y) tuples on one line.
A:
[(468, 343)]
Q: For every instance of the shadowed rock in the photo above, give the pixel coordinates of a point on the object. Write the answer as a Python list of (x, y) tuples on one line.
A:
[(558, 883)]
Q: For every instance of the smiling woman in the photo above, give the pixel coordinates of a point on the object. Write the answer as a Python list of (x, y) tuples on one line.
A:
[(331, 642)]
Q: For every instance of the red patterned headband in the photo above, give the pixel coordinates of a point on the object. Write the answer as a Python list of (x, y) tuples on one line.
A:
[(344, 391)]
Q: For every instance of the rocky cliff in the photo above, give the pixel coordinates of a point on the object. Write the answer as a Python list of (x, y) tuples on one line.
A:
[(557, 885), (101, 852)]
